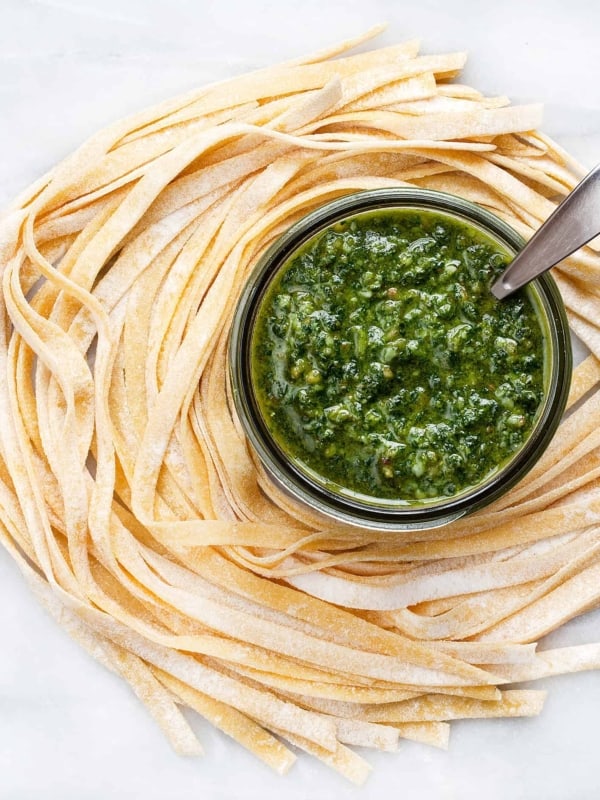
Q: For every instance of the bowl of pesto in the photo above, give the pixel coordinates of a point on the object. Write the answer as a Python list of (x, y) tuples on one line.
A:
[(375, 375)]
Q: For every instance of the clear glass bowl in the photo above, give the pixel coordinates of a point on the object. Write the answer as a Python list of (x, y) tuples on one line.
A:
[(386, 515)]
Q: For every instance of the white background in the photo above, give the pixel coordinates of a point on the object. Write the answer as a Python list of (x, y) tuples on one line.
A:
[(68, 729)]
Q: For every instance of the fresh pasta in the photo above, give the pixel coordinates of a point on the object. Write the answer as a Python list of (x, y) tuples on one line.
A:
[(128, 495)]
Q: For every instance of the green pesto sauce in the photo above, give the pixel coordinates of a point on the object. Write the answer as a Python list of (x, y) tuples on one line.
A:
[(382, 363)]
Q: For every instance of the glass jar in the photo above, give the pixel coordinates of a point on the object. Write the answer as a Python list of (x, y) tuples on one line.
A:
[(387, 515)]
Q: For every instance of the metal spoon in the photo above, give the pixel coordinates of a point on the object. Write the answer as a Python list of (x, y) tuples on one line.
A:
[(574, 222)]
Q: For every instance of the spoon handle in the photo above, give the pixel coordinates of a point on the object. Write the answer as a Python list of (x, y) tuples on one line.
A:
[(574, 222)]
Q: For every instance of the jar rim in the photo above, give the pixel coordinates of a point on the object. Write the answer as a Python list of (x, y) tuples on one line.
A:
[(385, 515)]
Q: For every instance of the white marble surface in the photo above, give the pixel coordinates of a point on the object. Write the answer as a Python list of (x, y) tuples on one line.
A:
[(68, 729)]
